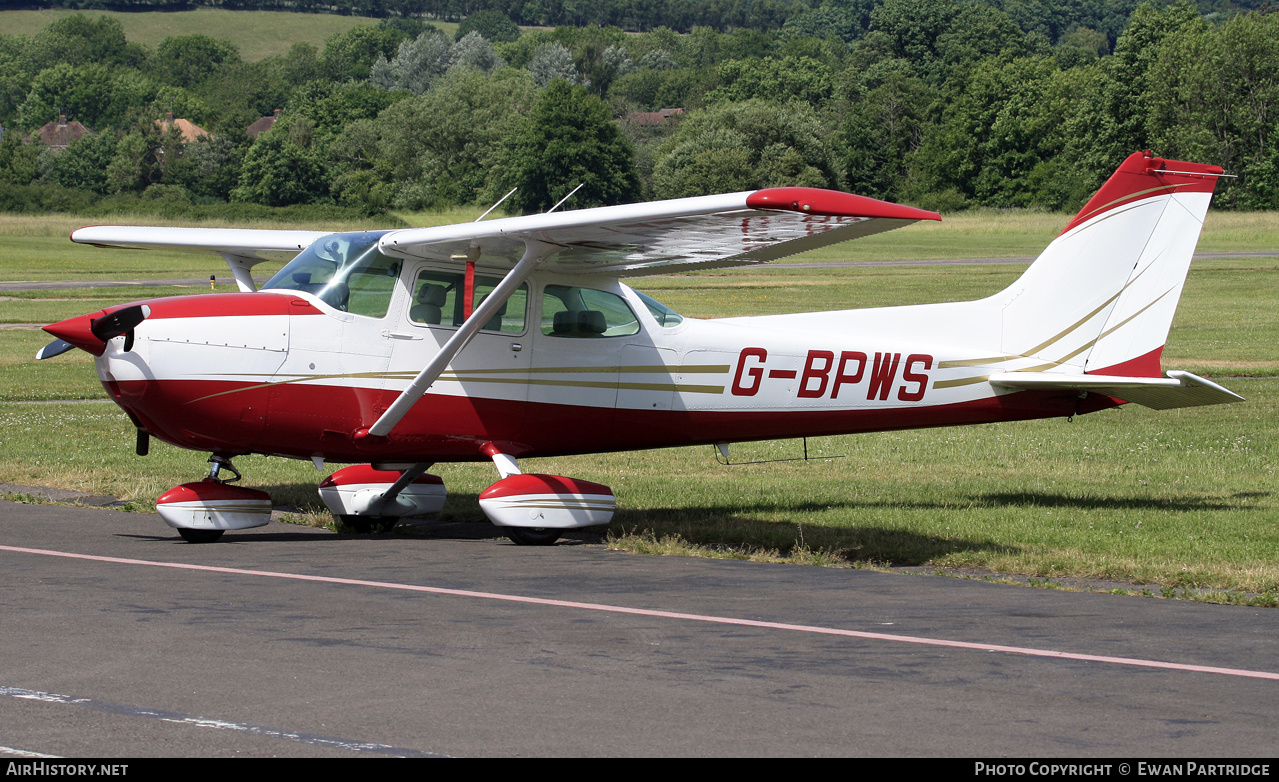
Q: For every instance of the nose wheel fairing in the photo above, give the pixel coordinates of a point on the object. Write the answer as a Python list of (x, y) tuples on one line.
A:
[(212, 507)]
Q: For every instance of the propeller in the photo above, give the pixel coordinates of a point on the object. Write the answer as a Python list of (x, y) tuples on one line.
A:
[(91, 334), (54, 348), (120, 322)]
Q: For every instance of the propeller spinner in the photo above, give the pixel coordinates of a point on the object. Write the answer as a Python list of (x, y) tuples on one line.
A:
[(91, 334)]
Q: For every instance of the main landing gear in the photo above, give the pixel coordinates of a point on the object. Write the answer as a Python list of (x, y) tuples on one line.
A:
[(534, 510), (202, 511), (531, 509), (374, 497)]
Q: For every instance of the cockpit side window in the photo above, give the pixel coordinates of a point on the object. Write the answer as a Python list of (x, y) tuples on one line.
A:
[(569, 311), (345, 271), (438, 296)]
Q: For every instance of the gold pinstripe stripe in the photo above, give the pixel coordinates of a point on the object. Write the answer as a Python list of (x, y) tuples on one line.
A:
[(470, 376)]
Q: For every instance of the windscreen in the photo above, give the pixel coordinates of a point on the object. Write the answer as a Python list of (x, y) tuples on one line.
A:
[(344, 271)]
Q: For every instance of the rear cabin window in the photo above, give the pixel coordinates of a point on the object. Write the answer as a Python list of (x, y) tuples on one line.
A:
[(569, 311)]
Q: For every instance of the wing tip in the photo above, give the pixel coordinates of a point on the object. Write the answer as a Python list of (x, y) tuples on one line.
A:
[(833, 203)]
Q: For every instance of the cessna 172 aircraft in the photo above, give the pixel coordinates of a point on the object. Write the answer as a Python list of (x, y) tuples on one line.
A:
[(513, 337)]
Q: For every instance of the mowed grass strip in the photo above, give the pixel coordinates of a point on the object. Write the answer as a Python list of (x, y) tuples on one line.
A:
[(257, 34), (1176, 499)]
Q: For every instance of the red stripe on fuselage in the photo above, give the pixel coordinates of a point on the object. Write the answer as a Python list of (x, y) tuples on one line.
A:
[(308, 420), (213, 305)]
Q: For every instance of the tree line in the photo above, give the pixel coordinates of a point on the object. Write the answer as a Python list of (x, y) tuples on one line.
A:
[(940, 103)]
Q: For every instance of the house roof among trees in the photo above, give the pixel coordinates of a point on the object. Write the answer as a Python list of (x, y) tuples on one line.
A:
[(59, 133), (660, 117), (262, 125), (186, 128)]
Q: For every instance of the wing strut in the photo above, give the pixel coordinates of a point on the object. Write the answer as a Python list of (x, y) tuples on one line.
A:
[(534, 253), (241, 270)]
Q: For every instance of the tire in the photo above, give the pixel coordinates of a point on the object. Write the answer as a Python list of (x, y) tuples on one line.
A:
[(200, 535), (533, 536), (369, 525)]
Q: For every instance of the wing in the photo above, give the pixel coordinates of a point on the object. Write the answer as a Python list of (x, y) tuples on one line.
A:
[(243, 242), (241, 248), (651, 238), (665, 236)]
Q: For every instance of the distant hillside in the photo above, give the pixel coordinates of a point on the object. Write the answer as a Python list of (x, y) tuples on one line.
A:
[(257, 34)]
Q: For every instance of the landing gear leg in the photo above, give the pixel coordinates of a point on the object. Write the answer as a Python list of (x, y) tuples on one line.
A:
[(221, 463)]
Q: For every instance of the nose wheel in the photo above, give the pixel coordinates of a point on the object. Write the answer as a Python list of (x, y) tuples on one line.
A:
[(200, 535), (532, 536), (365, 525)]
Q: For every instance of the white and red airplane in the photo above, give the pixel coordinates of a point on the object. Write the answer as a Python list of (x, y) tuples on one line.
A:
[(513, 337)]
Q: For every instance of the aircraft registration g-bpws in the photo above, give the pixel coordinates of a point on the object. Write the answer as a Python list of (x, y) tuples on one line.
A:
[(513, 337)]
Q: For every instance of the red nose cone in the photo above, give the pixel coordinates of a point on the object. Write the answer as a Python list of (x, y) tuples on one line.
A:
[(77, 332)]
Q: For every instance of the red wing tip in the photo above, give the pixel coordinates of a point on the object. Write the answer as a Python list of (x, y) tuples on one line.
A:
[(833, 203)]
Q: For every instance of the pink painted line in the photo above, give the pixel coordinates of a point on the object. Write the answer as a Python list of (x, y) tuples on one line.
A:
[(724, 620)]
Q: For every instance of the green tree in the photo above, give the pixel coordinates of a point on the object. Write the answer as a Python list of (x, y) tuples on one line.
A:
[(349, 56), (416, 64), (279, 172), (493, 24), (90, 94), (82, 165), (885, 124), (844, 19), (136, 162), (80, 40), (1129, 99), (187, 60), (1214, 97), (568, 139), (18, 160), (15, 80), (999, 138), (553, 61), (473, 51), (209, 167), (912, 27), (437, 151), (790, 78), (744, 146)]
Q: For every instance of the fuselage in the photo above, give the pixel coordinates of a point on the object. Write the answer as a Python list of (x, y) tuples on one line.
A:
[(285, 372)]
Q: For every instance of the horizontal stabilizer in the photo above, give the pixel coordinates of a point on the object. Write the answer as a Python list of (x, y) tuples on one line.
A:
[(1178, 389)]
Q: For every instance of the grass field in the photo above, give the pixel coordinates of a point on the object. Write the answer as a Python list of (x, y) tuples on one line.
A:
[(257, 34), (1169, 500)]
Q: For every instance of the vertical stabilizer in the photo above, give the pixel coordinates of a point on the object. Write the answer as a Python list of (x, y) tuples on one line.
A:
[(1101, 297)]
